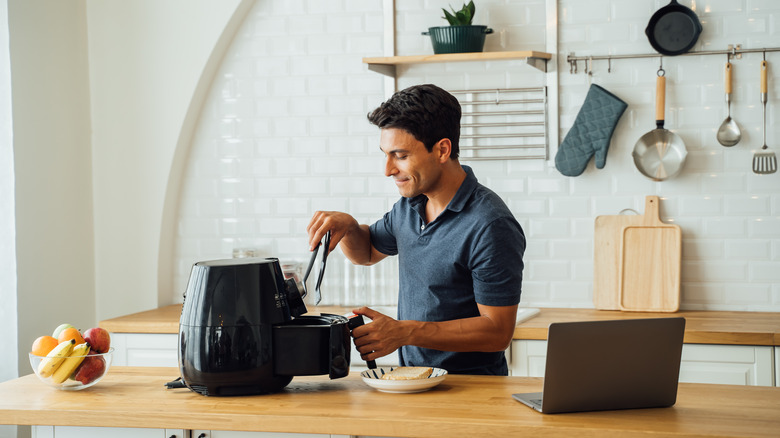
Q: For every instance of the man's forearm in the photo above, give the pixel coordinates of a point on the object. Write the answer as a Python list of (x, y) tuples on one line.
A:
[(356, 245), (470, 334)]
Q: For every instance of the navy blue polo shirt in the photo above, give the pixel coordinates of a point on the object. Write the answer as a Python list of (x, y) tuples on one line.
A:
[(471, 253)]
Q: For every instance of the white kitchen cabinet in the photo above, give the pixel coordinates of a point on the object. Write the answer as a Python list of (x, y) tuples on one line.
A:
[(103, 432), (727, 364), (160, 350), (145, 349), (527, 358), (777, 366), (131, 432), (723, 364), (235, 434)]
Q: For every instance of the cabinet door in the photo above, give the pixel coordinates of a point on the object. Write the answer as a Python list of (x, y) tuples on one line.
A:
[(727, 364), (106, 432), (527, 358), (42, 432), (724, 364), (777, 366), (235, 434), (145, 349)]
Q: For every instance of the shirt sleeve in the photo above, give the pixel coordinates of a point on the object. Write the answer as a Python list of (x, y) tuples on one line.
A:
[(497, 264), (383, 236)]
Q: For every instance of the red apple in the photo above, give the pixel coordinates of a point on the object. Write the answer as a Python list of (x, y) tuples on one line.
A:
[(91, 368), (99, 339)]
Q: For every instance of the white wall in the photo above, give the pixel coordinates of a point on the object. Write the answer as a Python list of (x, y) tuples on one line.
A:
[(8, 311), (284, 134), (146, 61), (98, 110), (52, 169)]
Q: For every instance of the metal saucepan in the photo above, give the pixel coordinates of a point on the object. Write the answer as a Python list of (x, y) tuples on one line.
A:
[(660, 154), (673, 29)]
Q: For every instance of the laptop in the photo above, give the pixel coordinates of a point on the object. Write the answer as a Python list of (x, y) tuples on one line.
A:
[(606, 365)]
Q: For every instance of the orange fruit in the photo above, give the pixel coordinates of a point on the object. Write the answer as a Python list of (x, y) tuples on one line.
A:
[(71, 333), (43, 345)]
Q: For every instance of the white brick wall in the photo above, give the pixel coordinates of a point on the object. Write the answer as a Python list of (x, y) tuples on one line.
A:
[(284, 134)]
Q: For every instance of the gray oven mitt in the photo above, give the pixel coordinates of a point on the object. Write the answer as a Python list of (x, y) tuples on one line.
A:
[(591, 132)]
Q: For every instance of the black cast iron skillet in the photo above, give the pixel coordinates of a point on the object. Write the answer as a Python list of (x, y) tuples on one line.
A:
[(673, 29)]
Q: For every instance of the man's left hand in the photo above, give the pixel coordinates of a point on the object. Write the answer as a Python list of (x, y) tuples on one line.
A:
[(382, 336)]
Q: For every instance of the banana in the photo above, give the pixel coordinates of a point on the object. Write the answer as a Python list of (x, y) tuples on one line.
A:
[(55, 357), (70, 364)]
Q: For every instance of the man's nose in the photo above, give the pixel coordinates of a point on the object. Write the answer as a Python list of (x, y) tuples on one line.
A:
[(389, 167)]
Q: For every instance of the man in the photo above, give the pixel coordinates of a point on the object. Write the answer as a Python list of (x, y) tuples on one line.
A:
[(459, 247)]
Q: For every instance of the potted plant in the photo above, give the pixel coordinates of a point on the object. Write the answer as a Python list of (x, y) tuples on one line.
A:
[(460, 36)]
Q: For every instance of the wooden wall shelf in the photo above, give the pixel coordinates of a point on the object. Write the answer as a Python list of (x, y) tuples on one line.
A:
[(387, 65)]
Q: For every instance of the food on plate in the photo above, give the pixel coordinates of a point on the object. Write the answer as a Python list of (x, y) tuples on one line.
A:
[(90, 369), (99, 339), (55, 358), (68, 366), (43, 345), (408, 373)]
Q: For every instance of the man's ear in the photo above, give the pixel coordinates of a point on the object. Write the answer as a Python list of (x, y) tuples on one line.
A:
[(444, 149)]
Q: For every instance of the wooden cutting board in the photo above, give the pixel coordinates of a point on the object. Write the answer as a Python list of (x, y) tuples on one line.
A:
[(606, 258), (650, 261)]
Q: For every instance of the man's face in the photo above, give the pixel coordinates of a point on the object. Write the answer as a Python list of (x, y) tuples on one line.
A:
[(412, 167)]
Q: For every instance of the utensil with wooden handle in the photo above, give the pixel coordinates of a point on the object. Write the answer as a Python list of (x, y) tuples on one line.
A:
[(729, 133), (660, 154), (764, 160)]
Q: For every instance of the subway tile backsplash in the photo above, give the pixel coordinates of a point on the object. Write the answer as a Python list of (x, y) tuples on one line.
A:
[(284, 133)]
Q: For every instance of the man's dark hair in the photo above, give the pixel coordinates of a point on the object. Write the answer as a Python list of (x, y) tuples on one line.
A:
[(426, 111)]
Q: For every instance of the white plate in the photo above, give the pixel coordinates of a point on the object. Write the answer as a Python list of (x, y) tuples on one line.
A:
[(373, 378)]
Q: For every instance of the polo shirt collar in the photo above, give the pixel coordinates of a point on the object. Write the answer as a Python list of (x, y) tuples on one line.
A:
[(464, 191), (461, 196)]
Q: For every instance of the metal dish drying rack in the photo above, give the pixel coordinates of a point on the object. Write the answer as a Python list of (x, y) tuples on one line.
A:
[(503, 124)]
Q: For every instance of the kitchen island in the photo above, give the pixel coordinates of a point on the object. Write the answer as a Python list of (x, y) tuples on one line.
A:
[(701, 326), (721, 347), (468, 406)]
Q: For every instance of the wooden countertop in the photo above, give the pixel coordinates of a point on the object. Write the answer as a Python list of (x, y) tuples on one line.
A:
[(702, 327), (460, 406)]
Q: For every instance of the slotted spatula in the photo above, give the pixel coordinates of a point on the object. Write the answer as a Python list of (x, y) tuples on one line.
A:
[(764, 160)]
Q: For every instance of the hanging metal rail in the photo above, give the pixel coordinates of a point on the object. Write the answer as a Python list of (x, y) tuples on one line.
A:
[(503, 124), (733, 52)]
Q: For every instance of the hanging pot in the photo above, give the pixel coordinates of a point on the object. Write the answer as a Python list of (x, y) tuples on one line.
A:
[(660, 154), (673, 29)]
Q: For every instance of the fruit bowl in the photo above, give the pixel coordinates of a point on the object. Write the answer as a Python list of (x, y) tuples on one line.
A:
[(90, 371)]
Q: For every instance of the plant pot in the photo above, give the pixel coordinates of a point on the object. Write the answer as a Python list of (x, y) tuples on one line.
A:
[(458, 39)]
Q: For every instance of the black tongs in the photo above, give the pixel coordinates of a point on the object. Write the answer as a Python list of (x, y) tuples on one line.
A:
[(326, 244)]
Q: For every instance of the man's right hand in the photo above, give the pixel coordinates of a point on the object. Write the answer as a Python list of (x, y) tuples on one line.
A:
[(339, 224), (344, 229)]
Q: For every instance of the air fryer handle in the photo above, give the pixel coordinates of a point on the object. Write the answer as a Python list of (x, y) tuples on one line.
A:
[(294, 298), (354, 322)]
